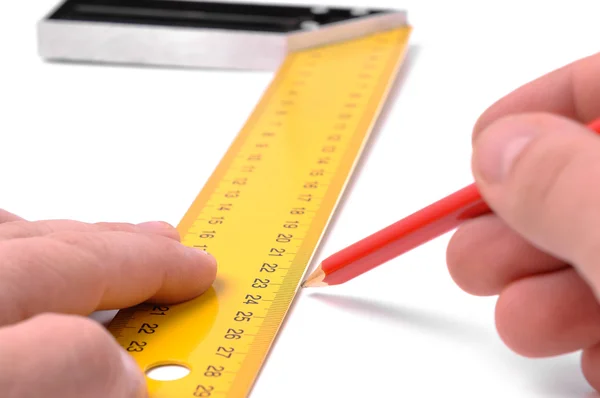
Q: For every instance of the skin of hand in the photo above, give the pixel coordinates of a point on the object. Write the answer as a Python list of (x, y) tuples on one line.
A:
[(538, 168), (55, 273)]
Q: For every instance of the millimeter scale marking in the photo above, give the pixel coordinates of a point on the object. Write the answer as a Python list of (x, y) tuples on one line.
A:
[(263, 213)]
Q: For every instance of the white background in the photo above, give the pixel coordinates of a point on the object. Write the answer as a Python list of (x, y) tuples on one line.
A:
[(129, 144)]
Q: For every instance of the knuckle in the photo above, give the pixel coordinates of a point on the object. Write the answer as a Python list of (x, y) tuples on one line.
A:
[(28, 274), (17, 229), (89, 251), (122, 227), (75, 238), (463, 255), (45, 227), (40, 227), (88, 242)]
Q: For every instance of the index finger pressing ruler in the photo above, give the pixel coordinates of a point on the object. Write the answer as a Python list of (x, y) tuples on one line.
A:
[(267, 204)]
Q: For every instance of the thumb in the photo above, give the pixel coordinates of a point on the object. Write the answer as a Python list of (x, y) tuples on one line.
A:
[(540, 173), (65, 356)]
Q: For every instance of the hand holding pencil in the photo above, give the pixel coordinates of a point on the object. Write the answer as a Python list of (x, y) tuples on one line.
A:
[(528, 228)]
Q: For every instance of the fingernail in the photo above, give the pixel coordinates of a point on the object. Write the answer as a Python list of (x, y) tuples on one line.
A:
[(203, 253), (139, 388), (160, 228), (496, 150)]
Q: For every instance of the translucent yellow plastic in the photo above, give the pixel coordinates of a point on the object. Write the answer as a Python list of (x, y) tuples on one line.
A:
[(262, 215)]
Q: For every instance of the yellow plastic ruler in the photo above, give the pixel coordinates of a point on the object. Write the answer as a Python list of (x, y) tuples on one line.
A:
[(262, 214), (267, 204)]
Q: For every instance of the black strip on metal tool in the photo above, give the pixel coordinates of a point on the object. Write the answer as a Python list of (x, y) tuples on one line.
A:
[(199, 33)]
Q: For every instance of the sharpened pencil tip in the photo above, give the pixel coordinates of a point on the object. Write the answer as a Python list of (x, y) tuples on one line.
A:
[(315, 279)]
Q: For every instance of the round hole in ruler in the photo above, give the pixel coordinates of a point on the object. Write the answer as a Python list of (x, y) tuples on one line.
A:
[(357, 12), (319, 10), (309, 25), (167, 372)]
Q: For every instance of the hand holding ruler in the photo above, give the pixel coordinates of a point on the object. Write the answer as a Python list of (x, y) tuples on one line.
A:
[(267, 204)]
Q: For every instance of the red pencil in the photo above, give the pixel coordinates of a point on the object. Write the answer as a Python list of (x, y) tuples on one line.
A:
[(402, 236)]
